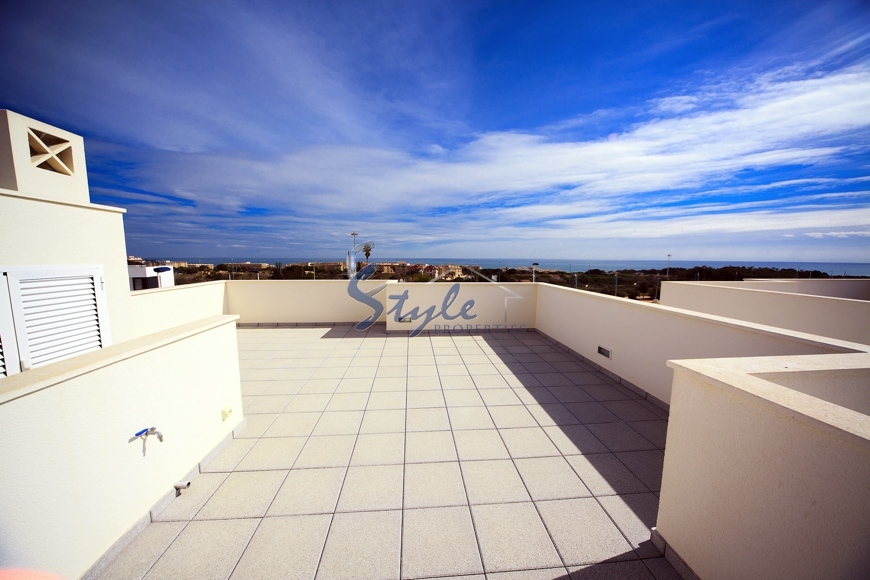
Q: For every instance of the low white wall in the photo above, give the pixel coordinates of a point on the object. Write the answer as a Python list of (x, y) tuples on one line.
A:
[(842, 318), (72, 481), (643, 337), (305, 301), (496, 306), (38, 232), (761, 481), (162, 308), (852, 288)]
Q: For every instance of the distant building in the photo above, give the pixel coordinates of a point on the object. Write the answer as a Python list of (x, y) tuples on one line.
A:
[(148, 277)]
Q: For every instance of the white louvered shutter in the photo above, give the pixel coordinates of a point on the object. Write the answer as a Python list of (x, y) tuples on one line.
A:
[(57, 313)]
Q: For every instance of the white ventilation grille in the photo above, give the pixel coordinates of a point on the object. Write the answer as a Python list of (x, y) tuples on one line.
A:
[(56, 314), (60, 318)]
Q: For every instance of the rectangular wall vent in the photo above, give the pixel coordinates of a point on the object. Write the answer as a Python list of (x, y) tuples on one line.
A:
[(604, 352), (55, 313)]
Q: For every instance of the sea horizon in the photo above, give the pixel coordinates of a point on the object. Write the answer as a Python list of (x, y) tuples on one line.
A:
[(831, 268)]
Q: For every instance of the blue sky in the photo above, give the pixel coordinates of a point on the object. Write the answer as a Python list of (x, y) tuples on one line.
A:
[(552, 130)]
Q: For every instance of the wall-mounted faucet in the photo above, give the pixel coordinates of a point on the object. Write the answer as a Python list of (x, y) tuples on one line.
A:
[(151, 431)]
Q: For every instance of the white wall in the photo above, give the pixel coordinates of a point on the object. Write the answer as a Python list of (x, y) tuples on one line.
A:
[(38, 232), (643, 337), (163, 308), (842, 318), (304, 301), (495, 305), (763, 482), (72, 481), (854, 288)]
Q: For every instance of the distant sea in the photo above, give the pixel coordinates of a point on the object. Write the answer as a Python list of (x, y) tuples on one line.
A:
[(832, 268)]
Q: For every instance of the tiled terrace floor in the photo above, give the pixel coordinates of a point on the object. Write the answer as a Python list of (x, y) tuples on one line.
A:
[(369, 456)]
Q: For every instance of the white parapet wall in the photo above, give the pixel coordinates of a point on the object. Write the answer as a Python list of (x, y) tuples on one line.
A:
[(642, 337), (767, 468), (780, 304), (471, 307), (164, 308), (299, 301), (75, 478)]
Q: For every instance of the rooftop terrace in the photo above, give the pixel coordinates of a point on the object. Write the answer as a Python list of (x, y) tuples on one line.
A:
[(374, 456)]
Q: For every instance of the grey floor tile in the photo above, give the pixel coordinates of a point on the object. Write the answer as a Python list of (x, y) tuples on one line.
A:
[(186, 505), (462, 418), (292, 425), (570, 394), (633, 570), (229, 456), (575, 440), (272, 453), (582, 531), (552, 414), (604, 474), (348, 402), (379, 449), (284, 387), (528, 442), (308, 403), (355, 385), (619, 437), (490, 381), (425, 399), (555, 380), (559, 573), (338, 423), (500, 397), (494, 481), (512, 537), (372, 487), (387, 400), (383, 421), (320, 384), (635, 515), (586, 378), (267, 404), (463, 398), (646, 465), (362, 545), (433, 485), (592, 412), (389, 384), (429, 446), (550, 478), (308, 491), (439, 542), (326, 451), (510, 417), (205, 550), (654, 431), (605, 392), (245, 494), (255, 426), (630, 411), (535, 396), (456, 382), (480, 444), (284, 547), (138, 557), (427, 419)]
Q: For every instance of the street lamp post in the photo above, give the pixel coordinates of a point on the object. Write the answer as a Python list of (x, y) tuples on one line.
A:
[(615, 282), (533, 270), (354, 234), (314, 264), (668, 274)]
